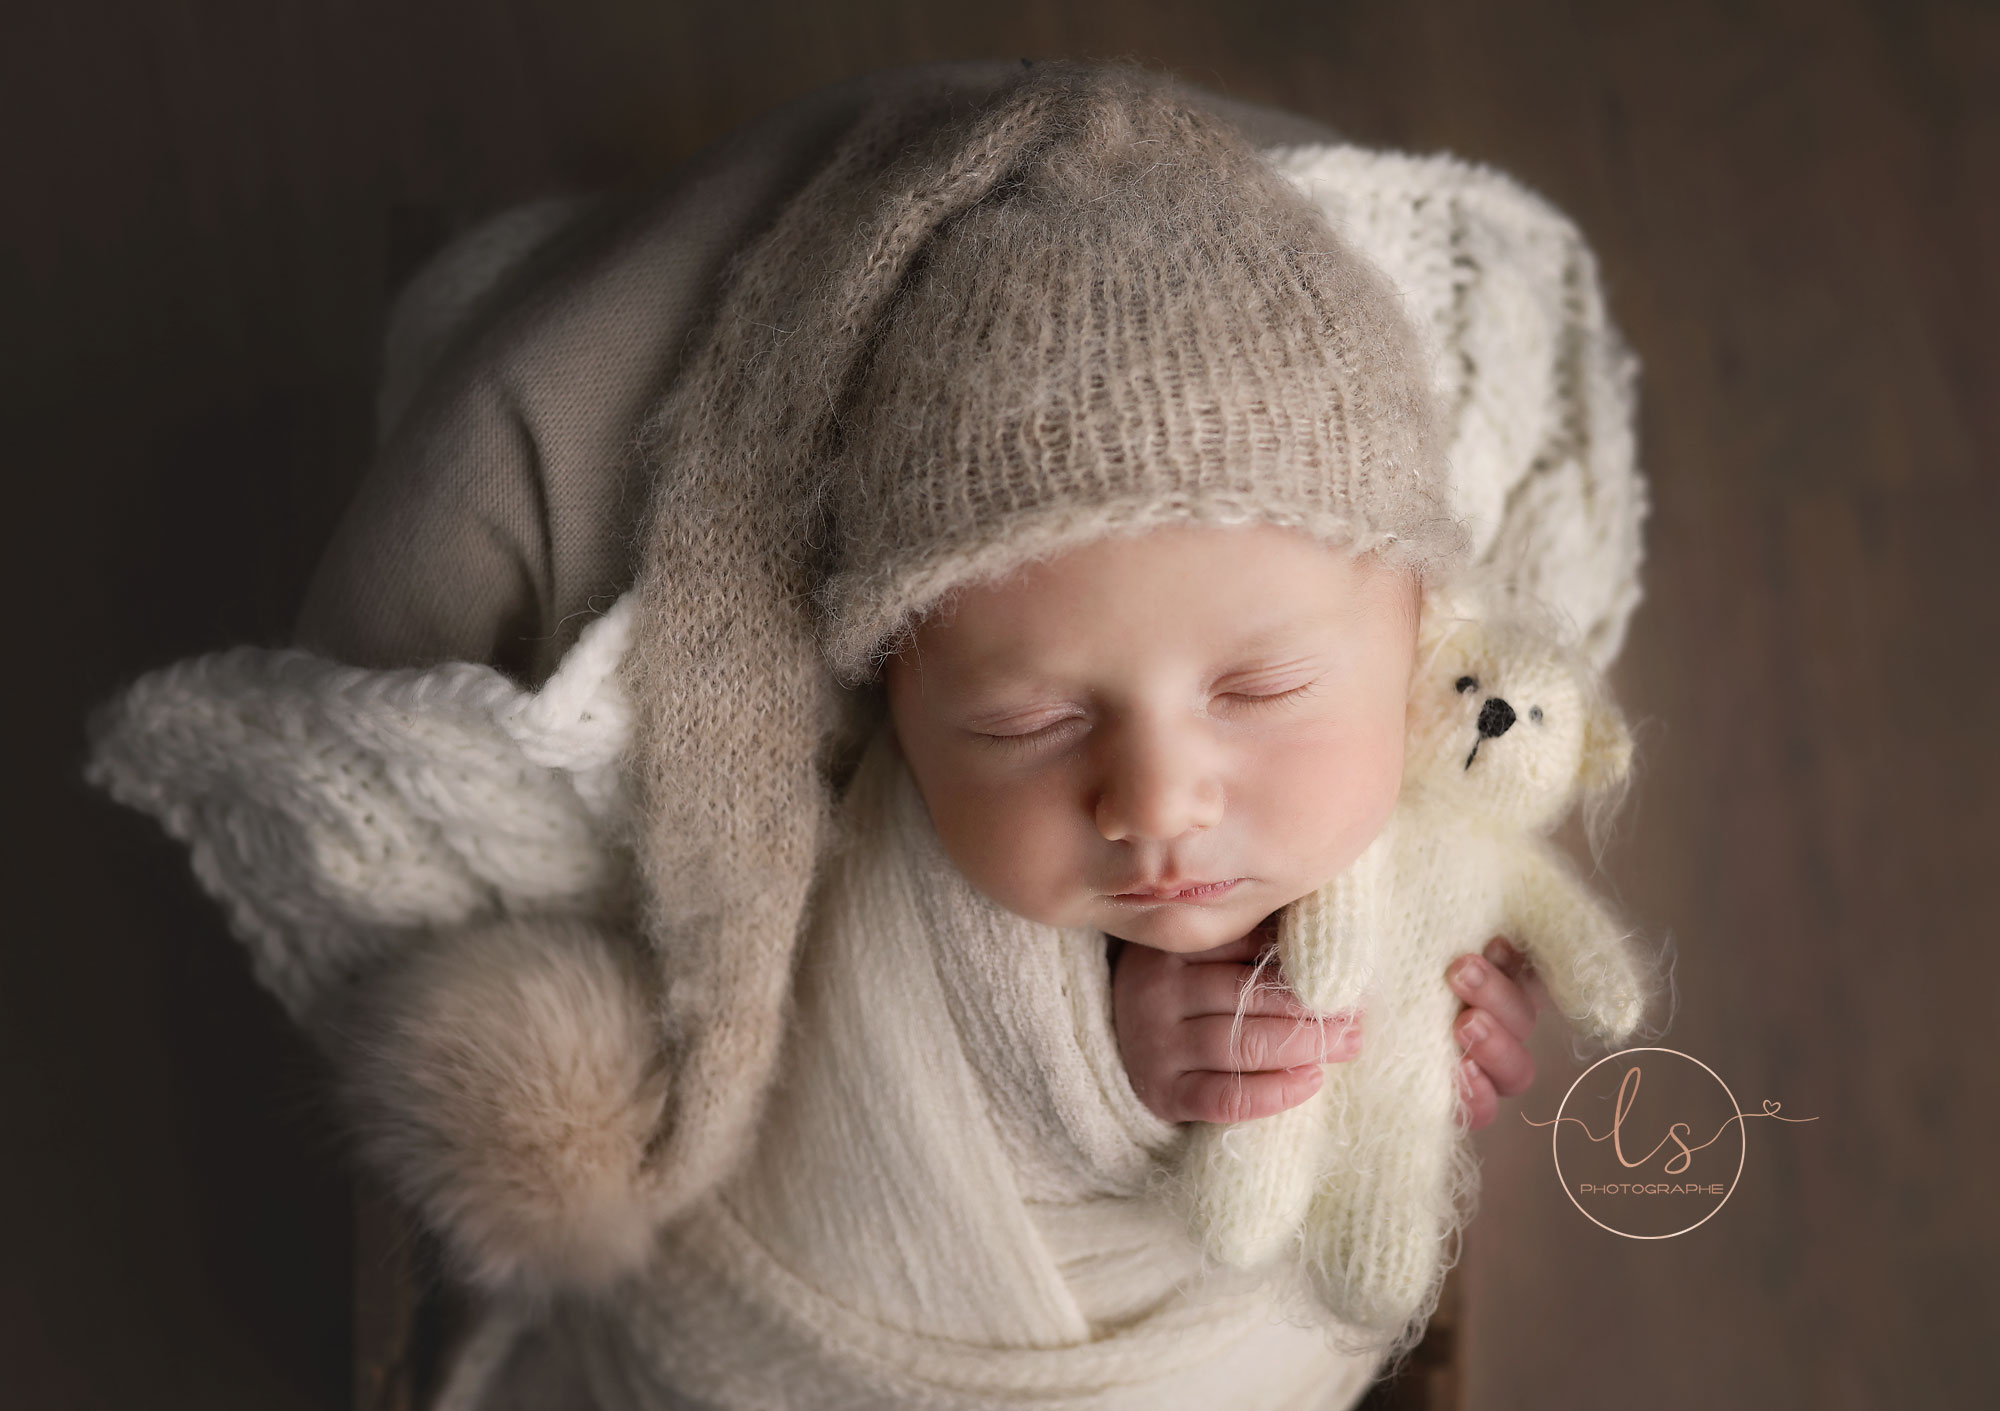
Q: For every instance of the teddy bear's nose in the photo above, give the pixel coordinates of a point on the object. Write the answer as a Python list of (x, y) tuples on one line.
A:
[(1496, 717)]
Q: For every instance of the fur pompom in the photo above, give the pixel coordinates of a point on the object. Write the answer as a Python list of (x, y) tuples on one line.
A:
[(507, 1080)]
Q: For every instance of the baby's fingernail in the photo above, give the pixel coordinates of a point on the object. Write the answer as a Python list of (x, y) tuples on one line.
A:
[(1470, 974), (1471, 1032), (1498, 951)]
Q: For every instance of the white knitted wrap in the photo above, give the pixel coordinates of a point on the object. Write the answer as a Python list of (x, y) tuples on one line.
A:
[(956, 1197)]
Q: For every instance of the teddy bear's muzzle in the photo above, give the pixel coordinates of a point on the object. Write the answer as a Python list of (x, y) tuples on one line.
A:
[(1496, 717)]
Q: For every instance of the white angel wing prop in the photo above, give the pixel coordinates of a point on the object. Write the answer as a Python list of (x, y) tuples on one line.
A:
[(1535, 384), (332, 809)]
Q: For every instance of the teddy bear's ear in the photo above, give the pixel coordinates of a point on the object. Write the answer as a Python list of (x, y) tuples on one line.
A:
[(1445, 611), (1607, 748)]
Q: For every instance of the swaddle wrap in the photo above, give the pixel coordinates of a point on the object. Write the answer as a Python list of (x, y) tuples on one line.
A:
[(955, 1197)]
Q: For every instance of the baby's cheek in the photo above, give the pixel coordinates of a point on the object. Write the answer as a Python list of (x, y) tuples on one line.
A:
[(1323, 800), (1017, 850)]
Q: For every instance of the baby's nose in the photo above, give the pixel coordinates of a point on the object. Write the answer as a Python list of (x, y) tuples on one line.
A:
[(1496, 717), (1155, 808), (1157, 788)]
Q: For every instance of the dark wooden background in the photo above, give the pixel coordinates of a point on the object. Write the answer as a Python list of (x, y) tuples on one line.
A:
[(1795, 206)]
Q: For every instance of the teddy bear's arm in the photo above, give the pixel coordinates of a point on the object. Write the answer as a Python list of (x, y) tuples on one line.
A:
[(1584, 955), (1251, 1183), (1331, 941)]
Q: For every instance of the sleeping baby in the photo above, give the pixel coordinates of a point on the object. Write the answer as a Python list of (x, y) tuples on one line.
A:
[(777, 896)]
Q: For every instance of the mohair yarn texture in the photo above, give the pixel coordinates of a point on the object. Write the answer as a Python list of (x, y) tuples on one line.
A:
[(970, 341), (1137, 322)]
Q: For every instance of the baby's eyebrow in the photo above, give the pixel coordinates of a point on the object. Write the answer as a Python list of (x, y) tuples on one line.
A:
[(1286, 631), (978, 684), (992, 675)]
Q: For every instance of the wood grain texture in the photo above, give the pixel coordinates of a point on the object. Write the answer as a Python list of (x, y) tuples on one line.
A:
[(1794, 204)]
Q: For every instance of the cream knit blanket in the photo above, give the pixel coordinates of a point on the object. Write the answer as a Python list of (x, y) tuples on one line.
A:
[(955, 1198)]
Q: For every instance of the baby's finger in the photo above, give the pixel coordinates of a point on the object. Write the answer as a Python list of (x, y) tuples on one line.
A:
[(1479, 984), (1502, 1058), (1481, 1104), (1267, 1044), (1507, 957), (1203, 1096)]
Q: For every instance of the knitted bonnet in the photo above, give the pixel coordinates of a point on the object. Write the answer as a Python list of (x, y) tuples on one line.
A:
[(975, 338)]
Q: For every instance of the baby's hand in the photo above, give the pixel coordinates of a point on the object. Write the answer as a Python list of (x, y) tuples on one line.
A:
[(1502, 995), (1173, 1014)]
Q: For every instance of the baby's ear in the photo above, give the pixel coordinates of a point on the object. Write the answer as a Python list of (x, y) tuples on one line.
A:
[(1607, 748)]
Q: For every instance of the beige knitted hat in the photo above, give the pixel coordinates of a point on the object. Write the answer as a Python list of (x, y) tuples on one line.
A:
[(1139, 322), (974, 338)]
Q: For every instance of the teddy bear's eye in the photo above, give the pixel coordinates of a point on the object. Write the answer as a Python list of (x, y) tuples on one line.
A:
[(1467, 683), (1535, 714)]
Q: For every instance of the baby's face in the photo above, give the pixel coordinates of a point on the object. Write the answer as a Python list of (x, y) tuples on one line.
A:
[(1166, 736)]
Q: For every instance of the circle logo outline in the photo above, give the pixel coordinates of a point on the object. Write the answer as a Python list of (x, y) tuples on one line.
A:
[(1555, 1146)]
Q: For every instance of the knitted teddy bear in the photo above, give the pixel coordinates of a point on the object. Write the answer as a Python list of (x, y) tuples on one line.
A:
[(1372, 1176)]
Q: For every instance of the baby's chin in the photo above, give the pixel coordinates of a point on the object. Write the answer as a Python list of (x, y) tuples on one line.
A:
[(1180, 927), (1183, 928)]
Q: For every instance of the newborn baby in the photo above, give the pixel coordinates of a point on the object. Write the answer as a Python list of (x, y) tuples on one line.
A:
[(1060, 403)]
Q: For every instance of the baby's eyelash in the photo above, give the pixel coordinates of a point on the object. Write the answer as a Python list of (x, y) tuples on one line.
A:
[(1028, 738), (1266, 697), (1047, 734)]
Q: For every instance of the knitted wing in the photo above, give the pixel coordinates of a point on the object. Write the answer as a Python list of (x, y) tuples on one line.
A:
[(1534, 383), (333, 810)]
